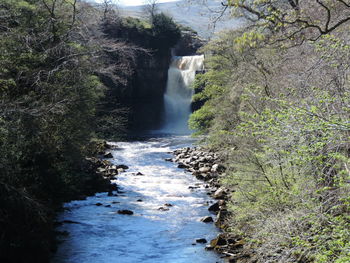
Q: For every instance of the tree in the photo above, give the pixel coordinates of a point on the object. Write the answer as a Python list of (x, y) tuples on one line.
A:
[(303, 19), (165, 31), (151, 9)]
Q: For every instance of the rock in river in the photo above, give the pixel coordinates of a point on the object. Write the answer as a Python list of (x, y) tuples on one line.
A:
[(201, 240), (125, 212), (207, 219), (108, 155)]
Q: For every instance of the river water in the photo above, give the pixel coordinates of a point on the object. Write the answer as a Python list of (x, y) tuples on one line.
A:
[(100, 235)]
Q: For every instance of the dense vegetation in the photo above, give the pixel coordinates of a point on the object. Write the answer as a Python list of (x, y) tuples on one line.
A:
[(276, 106), (53, 56)]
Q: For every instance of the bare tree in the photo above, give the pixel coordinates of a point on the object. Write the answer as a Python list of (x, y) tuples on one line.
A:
[(151, 9), (303, 19)]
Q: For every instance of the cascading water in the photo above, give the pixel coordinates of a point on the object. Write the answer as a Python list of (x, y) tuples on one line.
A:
[(178, 95)]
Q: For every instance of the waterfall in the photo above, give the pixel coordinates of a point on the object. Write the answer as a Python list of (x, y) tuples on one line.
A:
[(178, 94)]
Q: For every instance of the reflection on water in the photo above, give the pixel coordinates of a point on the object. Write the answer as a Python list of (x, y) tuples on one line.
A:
[(150, 235)]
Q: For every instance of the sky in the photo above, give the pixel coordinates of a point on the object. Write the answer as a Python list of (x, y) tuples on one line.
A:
[(134, 2)]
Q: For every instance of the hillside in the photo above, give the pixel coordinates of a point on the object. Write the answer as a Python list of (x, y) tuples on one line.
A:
[(197, 16)]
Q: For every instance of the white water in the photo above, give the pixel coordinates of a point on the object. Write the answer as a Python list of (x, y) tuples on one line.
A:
[(101, 235), (178, 94)]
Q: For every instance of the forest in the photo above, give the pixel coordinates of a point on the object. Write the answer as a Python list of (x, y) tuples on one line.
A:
[(275, 107), (58, 59)]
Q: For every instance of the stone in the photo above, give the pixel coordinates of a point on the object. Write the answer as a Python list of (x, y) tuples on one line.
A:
[(206, 177), (122, 166), (188, 160), (204, 169), (181, 165), (108, 155), (163, 208), (220, 240), (125, 212), (168, 159), (139, 200), (101, 170), (207, 219), (221, 217), (139, 173), (120, 170), (168, 205), (214, 207), (98, 204), (201, 240), (220, 193), (218, 168)]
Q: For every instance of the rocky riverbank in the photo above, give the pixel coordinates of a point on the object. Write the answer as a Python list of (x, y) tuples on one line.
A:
[(207, 166), (101, 170)]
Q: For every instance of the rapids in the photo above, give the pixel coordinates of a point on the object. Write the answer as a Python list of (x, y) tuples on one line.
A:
[(100, 235)]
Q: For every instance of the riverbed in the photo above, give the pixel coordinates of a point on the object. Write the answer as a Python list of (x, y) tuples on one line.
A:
[(167, 202)]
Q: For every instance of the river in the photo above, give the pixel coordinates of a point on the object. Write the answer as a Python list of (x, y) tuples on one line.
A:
[(98, 234)]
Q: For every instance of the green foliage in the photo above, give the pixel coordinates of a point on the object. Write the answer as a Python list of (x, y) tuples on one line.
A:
[(165, 30), (131, 22), (280, 118), (48, 102)]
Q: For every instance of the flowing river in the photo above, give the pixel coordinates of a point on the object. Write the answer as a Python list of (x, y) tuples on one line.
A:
[(98, 234)]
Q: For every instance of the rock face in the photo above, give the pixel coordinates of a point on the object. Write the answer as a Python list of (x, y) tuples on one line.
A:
[(189, 44)]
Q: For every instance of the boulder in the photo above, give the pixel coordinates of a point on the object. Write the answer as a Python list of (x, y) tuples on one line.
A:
[(108, 145), (139, 173), (201, 240), (206, 177), (214, 207), (204, 169), (182, 165), (221, 218), (207, 219), (122, 166), (101, 170), (220, 193), (218, 168), (219, 241), (125, 212), (108, 155)]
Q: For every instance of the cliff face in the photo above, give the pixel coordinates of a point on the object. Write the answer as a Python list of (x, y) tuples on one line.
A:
[(189, 44), (149, 83)]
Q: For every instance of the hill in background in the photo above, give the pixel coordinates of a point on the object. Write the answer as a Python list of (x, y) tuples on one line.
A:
[(197, 16)]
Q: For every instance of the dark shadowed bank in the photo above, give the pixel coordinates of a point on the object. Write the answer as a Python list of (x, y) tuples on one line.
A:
[(69, 73)]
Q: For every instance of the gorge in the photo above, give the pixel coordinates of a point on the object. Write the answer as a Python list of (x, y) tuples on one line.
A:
[(166, 203)]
